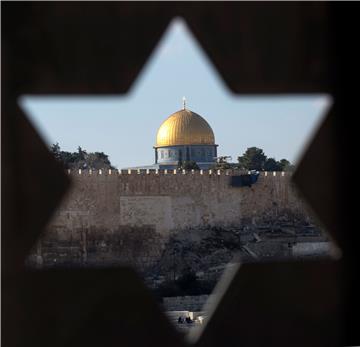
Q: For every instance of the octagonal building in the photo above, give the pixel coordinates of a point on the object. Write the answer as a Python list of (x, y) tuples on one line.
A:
[(184, 136)]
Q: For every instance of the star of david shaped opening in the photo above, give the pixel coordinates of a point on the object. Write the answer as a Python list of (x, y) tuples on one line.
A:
[(181, 188)]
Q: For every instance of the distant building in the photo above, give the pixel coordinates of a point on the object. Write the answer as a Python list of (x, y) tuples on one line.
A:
[(183, 136)]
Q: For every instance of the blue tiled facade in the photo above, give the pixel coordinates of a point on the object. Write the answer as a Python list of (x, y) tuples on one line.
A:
[(203, 155)]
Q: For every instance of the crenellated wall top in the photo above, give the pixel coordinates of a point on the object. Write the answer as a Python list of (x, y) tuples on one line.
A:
[(154, 172)]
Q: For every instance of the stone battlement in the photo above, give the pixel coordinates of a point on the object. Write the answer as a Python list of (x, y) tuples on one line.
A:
[(174, 172), (138, 217)]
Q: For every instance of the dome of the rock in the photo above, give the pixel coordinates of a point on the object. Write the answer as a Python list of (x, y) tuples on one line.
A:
[(184, 139), (184, 127)]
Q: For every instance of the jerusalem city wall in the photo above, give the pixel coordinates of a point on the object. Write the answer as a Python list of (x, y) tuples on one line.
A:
[(170, 202), (111, 217)]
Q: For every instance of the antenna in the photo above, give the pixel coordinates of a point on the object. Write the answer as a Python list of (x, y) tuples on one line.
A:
[(184, 103)]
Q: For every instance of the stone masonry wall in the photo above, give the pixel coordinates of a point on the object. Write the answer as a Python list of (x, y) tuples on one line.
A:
[(112, 217)]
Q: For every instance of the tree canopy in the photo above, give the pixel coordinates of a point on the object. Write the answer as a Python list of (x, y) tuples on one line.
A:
[(222, 163), (188, 165), (81, 159), (254, 158)]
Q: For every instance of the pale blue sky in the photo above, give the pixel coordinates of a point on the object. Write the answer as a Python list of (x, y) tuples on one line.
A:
[(124, 127)]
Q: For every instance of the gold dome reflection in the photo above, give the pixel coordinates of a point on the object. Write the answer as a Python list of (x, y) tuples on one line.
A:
[(184, 127)]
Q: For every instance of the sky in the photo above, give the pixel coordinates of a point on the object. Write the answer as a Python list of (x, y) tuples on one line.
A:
[(125, 126)]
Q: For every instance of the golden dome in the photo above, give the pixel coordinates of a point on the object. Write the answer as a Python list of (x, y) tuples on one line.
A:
[(184, 127)]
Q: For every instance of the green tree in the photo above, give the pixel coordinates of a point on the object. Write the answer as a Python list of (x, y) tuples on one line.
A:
[(55, 150), (272, 165), (81, 154), (286, 165), (253, 159), (188, 165), (222, 163), (98, 160), (81, 159)]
